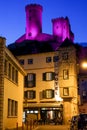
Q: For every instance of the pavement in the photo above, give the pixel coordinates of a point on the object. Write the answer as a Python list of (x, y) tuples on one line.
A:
[(52, 127)]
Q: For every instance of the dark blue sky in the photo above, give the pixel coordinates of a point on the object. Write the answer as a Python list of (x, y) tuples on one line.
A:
[(12, 17)]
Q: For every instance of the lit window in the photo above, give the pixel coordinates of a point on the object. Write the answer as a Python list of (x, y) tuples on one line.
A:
[(31, 80), (30, 94), (30, 77), (65, 74), (48, 76), (49, 93), (12, 107)]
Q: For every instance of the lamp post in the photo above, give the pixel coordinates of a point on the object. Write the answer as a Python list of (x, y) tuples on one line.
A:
[(84, 65)]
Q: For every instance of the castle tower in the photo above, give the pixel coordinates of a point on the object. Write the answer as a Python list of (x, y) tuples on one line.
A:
[(61, 28), (33, 20)]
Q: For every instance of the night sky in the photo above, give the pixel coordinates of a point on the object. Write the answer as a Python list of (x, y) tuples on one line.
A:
[(12, 17)]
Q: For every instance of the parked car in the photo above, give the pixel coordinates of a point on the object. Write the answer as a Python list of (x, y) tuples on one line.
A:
[(79, 122)]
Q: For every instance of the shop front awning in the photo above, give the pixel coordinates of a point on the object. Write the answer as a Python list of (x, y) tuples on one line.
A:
[(41, 105)]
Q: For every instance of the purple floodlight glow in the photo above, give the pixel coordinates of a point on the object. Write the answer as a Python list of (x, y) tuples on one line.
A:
[(61, 26), (33, 20)]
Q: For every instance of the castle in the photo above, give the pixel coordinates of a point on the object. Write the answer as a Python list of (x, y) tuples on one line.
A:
[(60, 26)]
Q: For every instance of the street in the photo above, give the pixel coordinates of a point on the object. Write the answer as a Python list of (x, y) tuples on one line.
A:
[(52, 127)]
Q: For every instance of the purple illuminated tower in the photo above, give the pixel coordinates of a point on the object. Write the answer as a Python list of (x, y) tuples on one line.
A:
[(33, 20), (61, 29)]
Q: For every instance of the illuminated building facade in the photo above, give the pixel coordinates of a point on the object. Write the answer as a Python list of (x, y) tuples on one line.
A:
[(40, 91), (11, 89), (51, 64)]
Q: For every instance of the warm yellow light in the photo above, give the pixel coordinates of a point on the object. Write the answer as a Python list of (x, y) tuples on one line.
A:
[(58, 98), (84, 65)]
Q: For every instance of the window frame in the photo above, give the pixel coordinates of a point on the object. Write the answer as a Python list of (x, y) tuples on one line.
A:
[(52, 75), (48, 59), (30, 61), (65, 74), (66, 91)]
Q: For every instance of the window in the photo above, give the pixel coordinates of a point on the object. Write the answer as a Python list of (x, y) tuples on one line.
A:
[(21, 61), (65, 74), (48, 59), (48, 93), (48, 76), (31, 80), (65, 91), (9, 70), (16, 76), (55, 58), (30, 61), (30, 94), (12, 107), (13, 73), (65, 56), (5, 67)]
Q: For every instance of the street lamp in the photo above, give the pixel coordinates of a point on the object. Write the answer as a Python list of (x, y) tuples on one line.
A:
[(84, 65)]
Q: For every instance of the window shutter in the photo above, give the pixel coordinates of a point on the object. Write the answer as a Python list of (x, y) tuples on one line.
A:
[(44, 94), (44, 76), (25, 82), (25, 94), (53, 75), (34, 94), (52, 93), (34, 80)]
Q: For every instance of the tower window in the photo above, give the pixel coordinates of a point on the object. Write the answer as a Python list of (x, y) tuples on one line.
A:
[(30, 34), (30, 10), (57, 27), (29, 18)]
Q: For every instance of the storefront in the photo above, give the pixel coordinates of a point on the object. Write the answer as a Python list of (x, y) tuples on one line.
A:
[(44, 113)]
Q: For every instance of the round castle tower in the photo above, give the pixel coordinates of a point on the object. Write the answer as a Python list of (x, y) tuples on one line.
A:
[(33, 20)]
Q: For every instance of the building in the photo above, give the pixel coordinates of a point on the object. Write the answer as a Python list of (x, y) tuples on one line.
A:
[(51, 63), (11, 89), (50, 76)]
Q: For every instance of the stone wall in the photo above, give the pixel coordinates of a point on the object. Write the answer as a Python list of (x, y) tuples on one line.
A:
[(2, 46)]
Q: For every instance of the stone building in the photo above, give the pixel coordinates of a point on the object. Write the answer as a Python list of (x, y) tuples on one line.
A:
[(11, 89)]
